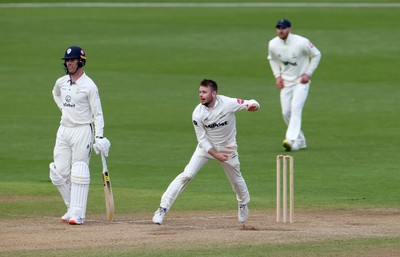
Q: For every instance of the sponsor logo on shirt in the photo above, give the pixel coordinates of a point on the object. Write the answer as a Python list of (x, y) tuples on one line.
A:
[(290, 63), (69, 105), (216, 125)]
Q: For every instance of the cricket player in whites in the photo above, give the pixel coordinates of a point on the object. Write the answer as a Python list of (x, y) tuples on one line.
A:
[(293, 60), (77, 97), (215, 126)]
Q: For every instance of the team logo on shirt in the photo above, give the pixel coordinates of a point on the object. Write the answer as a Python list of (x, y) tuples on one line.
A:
[(240, 101), (221, 115), (68, 100)]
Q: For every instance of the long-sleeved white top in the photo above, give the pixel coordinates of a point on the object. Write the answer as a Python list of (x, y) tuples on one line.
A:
[(292, 58), (216, 127), (79, 103)]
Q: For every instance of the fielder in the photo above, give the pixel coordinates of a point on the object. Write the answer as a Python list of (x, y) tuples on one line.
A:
[(215, 126), (77, 96), (293, 60)]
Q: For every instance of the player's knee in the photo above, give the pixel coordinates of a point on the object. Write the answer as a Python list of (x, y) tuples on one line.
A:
[(188, 173), (80, 173), (56, 178), (286, 113), (186, 176)]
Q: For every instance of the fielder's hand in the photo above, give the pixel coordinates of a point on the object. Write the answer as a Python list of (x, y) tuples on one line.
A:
[(304, 79), (102, 145), (222, 157), (280, 83), (252, 106)]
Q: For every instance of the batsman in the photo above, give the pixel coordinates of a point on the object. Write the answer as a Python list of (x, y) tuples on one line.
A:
[(214, 122), (78, 99)]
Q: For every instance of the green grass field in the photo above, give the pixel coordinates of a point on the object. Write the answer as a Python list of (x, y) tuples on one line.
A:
[(148, 63)]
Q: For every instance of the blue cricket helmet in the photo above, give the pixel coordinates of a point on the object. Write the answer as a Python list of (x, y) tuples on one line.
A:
[(75, 52)]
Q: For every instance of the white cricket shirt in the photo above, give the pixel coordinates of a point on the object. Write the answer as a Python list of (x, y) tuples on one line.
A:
[(292, 58), (79, 103), (216, 127)]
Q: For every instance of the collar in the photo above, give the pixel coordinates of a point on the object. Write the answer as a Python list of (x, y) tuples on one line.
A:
[(217, 100), (79, 80), (287, 40)]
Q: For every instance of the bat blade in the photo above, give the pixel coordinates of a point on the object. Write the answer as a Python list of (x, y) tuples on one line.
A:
[(108, 195)]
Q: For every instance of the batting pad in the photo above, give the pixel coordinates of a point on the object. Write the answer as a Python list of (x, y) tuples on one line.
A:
[(63, 184), (80, 179)]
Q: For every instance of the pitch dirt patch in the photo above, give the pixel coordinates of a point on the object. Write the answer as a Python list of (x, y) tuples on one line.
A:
[(197, 229)]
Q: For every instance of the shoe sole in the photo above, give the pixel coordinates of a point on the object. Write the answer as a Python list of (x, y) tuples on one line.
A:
[(157, 222), (73, 222)]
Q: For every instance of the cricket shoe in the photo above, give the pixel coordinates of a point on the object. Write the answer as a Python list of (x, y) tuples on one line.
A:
[(66, 217), (288, 145), (299, 145), (159, 215), (243, 213), (75, 220)]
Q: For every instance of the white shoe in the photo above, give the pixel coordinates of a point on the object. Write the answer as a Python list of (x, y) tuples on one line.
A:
[(75, 220), (243, 213), (299, 145), (288, 145), (66, 217), (159, 215)]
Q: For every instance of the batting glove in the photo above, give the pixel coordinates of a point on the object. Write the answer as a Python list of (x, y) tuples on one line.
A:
[(102, 145)]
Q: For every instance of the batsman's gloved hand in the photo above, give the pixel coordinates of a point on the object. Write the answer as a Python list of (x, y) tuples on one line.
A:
[(102, 145)]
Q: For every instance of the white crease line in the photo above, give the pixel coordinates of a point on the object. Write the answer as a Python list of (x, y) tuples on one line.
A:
[(208, 5)]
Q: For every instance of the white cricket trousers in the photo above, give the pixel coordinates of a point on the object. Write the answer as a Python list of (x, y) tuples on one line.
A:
[(198, 160), (73, 144), (293, 99), (71, 158)]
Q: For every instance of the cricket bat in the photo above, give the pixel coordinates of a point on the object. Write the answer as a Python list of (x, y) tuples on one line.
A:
[(108, 195)]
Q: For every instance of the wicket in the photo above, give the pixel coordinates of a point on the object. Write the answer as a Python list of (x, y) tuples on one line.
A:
[(285, 160)]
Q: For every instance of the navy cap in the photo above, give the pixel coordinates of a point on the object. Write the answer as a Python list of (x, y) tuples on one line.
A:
[(284, 23)]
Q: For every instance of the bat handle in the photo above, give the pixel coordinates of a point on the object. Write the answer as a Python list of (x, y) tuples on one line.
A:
[(103, 161)]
